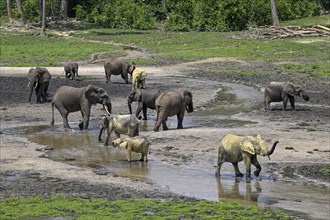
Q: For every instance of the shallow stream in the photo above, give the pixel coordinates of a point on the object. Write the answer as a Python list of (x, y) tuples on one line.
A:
[(275, 189)]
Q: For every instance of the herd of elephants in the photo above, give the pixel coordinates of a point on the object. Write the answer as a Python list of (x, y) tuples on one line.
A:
[(68, 99)]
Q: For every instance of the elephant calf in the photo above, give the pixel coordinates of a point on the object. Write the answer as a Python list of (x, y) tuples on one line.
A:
[(283, 91), (122, 124), (137, 144), (139, 78), (235, 149), (71, 70), (39, 82), (145, 98)]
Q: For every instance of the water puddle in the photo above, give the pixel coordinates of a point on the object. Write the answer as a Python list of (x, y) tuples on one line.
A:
[(279, 190)]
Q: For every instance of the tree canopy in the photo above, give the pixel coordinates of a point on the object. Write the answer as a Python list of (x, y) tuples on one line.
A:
[(174, 15)]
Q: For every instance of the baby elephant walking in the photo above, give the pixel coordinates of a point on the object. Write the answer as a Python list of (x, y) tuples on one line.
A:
[(137, 144)]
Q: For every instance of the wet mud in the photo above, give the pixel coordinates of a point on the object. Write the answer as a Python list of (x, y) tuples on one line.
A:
[(291, 181)]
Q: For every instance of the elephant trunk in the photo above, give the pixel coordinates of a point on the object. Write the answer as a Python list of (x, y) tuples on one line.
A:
[(189, 108), (305, 96), (129, 103), (271, 151), (107, 107)]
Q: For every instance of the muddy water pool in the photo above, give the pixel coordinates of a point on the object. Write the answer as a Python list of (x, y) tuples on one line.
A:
[(275, 189)]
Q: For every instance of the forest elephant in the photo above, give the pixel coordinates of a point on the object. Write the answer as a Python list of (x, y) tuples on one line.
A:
[(121, 124), (118, 67), (145, 98), (70, 99), (283, 91), (71, 70), (235, 149), (39, 81), (170, 104), (137, 144), (139, 78)]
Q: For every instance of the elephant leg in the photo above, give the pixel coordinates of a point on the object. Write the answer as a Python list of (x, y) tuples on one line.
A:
[(164, 125), (64, 114), (180, 119), (128, 154), (255, 162), (109, 130), (247, 161), (291, 99), (85, 122), (161, 119), (237, 172), (142, 157), (219, 164), (118, 134), (72, 75), (145, 112), (285, 102)]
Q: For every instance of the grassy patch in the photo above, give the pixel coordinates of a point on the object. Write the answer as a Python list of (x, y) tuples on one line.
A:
[(309, 22), (76, 208), (28, 50), (325, 171), (243, 72), (308, 55)]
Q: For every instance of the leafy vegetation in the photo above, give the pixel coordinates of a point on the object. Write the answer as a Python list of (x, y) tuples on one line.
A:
[(177, 15), (78, 208), (326, 171)]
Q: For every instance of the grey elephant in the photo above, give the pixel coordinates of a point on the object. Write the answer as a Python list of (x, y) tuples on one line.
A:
[(121, 124), (69, 99), (145, 98), (118, 67), (170, 104), (71, 70), (39, 81), (235, 149), (138, 144), (283, 91)]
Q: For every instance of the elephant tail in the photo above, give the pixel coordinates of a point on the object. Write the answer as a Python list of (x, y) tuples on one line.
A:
[(52, 122)]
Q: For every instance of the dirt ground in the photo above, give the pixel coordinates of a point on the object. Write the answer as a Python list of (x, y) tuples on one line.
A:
[(303, 134)]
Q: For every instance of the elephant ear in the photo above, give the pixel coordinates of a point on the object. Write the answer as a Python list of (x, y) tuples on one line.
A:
[(248, 146), (288, 88), (92, 94), (138, 95)]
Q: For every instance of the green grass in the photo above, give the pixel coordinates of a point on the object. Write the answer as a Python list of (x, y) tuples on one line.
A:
[(309, 22), (326, 171), (307, 55), (78, 208)]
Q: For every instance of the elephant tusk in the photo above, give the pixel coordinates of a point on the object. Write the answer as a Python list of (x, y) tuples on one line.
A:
[(106, 109), (28, 84), (268, 157), (36, 86)]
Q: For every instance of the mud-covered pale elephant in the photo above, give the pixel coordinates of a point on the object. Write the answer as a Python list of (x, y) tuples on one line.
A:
[(118, 67), (235, 149), (137, 144), (139, 78), (145, 99), (121, 124), (39, 81), (283, 91), (71, 70), (70, 99), (170, 104)]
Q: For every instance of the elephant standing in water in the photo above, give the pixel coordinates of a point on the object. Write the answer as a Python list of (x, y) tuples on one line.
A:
[(170, 104), (69, 99), (283, 91), (118, 67), (145, 98), (71, 70), (235, 149), (39, 81)]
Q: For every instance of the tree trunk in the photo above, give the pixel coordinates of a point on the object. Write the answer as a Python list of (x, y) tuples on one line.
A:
[(9, 11), (43, 22), (274, 13), (64, 8), (319, 3), (165, 5), (21, 11), (40, 11)]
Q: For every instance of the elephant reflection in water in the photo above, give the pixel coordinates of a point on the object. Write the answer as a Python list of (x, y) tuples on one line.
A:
[(235, 195)]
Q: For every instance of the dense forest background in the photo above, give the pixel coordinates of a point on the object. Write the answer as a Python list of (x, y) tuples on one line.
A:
[(173, 15)]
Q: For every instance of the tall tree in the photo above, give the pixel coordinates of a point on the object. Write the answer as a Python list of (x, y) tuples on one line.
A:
[(64, 8), (9, 11), (40, 11), (274, 13), (165, 5), (21, 11), (43, 22)]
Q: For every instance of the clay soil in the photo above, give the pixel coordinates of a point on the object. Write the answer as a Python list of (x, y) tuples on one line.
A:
[(25, 172)]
